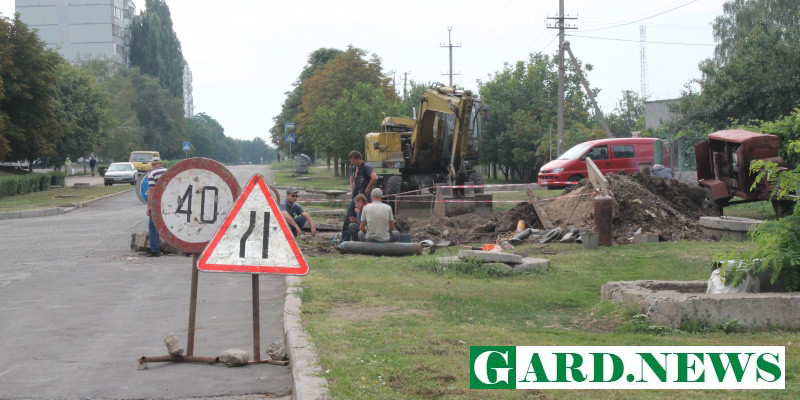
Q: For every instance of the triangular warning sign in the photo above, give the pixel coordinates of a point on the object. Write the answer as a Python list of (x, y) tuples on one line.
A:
[(254, 238)]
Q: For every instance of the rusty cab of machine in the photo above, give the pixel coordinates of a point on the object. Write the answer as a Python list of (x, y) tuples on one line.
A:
[(723, 168)]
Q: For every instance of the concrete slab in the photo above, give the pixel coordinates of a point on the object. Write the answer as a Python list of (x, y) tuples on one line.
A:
[(530, 264), (645, 237), (490, 256), (674, 303), (734, 228)]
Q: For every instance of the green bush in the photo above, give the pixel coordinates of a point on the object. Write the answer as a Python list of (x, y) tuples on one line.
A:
[(57, 178), (8, 185), (21, 184), (44, 182), (101, 169)]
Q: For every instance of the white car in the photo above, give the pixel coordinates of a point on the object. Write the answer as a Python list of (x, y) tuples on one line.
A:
[(120, 172)]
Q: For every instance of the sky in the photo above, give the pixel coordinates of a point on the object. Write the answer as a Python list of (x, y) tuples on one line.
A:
[(246, 54)]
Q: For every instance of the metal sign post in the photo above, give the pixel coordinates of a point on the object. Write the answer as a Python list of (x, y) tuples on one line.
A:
[(198, 213), (288, 129), (254, 239)]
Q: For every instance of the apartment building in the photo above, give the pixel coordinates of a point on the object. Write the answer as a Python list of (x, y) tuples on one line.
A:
[(82, 28)]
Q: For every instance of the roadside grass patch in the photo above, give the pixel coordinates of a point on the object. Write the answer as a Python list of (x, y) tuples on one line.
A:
[(400, 328), (318, 178), (57, 197)]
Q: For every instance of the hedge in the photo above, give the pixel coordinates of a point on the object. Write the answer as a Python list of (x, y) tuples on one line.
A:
[(21, 184)]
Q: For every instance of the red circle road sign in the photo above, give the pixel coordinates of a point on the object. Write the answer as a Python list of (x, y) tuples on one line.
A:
[(191, 201)]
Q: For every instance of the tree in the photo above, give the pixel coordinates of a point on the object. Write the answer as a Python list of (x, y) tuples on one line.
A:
[(81, 110), (531, 87), (29, 126), (255, 151), (740, 17), (327, 85), (291, 106), (628, 115), (756, 70), (155, 47), (347, 119), (123, 132), (160, 115)]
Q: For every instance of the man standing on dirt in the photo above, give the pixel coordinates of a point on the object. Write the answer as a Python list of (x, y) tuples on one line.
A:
[(362, 180), (377, 221), (152, 178)]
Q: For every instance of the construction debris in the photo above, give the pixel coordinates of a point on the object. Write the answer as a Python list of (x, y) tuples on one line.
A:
[(234, 357), (173, 345)]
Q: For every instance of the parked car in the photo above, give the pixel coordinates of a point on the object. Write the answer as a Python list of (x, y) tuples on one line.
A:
[(120, 172), (142, 160), (610, 155)]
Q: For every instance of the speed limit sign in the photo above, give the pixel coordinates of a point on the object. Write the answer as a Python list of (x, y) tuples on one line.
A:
[(190, 202)]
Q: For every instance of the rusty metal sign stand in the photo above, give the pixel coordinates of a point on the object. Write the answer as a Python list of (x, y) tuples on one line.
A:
[(178, 184), (190, 357)]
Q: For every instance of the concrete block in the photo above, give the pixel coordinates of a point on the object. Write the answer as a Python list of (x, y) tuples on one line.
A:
[(729, 223), (645, 237), (732, 228), (490, 256), (673, 303), (530, 264)]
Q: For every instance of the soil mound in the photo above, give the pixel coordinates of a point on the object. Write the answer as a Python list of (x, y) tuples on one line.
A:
[(479, 226), (652, 204), (648, 204)]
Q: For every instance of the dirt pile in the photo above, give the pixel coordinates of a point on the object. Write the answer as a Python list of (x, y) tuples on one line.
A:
[(476, 227), (666, 206)]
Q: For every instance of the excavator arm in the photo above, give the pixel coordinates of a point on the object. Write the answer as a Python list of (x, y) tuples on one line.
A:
[(428, 134)]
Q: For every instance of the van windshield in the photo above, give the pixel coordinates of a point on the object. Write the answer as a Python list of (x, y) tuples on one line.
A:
[(575, 152), (141, 157)]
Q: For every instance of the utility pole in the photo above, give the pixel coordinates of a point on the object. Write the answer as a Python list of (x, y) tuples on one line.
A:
[(405, 80), (561, 26), (451, 45), (643, 60)]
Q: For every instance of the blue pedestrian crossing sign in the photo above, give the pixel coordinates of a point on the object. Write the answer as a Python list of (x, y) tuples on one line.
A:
[(290, 138), (186, 146)]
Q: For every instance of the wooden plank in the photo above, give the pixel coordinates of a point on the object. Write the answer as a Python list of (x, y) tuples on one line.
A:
[(539, 211), (596, 177)]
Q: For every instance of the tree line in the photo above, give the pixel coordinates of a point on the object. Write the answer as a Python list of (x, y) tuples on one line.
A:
[(51, 109), (341, 95)]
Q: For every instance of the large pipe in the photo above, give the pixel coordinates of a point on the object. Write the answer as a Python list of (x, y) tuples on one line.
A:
[(382, 249)]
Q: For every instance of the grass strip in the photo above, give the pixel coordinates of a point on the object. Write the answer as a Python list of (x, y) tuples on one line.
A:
[(64, 196), (400, 328)]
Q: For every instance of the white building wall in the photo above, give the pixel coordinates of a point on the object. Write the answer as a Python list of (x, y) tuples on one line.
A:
[(81, 28)]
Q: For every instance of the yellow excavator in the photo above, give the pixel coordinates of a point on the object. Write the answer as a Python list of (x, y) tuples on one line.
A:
[(440, 146)]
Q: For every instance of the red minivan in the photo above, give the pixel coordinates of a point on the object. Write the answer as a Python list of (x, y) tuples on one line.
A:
[(610, 155)]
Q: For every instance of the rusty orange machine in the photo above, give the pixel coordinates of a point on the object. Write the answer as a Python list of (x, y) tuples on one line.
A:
[(723, 168)]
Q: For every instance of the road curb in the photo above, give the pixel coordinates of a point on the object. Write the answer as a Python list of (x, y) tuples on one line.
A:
[(306, 373), (47, 212)]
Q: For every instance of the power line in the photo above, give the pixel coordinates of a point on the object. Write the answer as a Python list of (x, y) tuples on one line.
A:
[(641, 19), (638, 41)]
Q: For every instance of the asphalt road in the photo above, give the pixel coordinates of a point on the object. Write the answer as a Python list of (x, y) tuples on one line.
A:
[(78, 308)]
